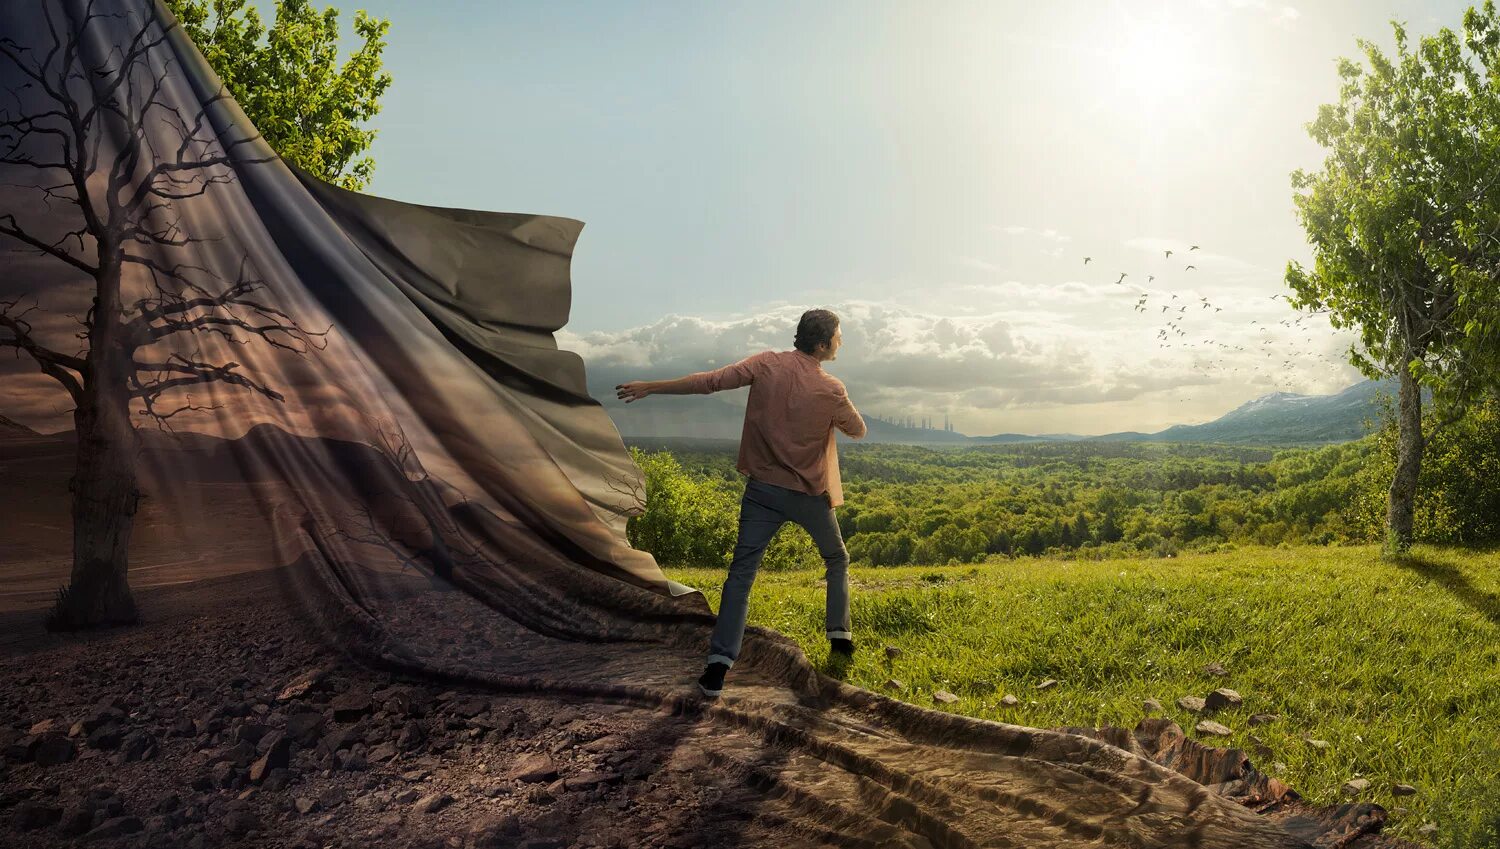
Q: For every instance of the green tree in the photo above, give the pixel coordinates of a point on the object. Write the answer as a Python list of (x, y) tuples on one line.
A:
[(1404, 222), (289, 82)]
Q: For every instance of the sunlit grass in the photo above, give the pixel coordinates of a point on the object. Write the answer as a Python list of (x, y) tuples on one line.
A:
[(1396, 666)]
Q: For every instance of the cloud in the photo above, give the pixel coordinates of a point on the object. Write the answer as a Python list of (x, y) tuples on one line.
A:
[(1047, 234)]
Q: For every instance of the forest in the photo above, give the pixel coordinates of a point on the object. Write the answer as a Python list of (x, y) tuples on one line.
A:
[(1092, 500)]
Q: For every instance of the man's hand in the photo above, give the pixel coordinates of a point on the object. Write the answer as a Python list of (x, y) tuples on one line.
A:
[(634, 390)]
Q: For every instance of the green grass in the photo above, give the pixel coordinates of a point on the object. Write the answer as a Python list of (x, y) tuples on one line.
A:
[(1396, 666)]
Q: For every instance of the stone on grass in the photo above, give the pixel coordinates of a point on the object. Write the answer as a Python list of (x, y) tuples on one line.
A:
[(891, 652), (1050, 682), (1403, 790), (1320, 745), (1215, 669), (894, 684), (1191, 704), (1208, 726), (1153, 706), (1355, 786), (1262, 718), (1222, 698), (1009, 701), (944, 696)]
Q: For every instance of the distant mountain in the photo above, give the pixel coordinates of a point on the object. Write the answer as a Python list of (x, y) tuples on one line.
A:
[(9, 427), (1279, 418)]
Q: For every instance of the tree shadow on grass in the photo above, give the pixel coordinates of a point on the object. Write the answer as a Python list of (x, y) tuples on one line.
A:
[(1487, 603)]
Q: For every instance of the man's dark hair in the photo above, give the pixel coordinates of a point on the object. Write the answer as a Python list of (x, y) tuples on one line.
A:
[(815, 328)]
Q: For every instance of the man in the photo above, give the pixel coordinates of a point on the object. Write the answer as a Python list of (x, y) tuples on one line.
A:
[(787, 451)]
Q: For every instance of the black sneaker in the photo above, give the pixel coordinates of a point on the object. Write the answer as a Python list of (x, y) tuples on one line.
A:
[(842, 646), (711, 683)]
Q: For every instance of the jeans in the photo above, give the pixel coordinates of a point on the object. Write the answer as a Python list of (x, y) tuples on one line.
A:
[(763, 509)]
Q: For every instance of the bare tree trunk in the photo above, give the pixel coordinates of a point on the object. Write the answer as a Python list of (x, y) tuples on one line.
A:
[(104, 485), (1401, 505)]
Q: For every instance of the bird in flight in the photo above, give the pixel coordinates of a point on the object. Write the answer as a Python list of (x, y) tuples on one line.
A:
[(1087, 259), (1190, 268), (1169, 254), (1193, 248), (1121, 280), (1150, 277)]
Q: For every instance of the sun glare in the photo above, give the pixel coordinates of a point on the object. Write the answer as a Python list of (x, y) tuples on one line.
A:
[(1151, 63)]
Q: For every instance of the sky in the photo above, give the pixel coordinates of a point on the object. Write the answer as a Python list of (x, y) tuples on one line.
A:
[(934, 172)]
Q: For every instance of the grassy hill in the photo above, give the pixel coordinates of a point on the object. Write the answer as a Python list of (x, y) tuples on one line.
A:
[(1395, 667)]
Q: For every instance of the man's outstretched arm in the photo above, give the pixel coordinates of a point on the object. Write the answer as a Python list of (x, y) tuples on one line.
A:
[(731, 376), (848, 419)]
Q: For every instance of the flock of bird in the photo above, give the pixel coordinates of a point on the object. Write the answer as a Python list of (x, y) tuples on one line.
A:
[(1175, 331)]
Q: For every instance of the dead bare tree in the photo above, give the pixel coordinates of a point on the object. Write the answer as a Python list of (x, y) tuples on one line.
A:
[(87, 126)]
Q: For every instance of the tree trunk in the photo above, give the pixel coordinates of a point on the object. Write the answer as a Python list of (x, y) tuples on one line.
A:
[(1401, 505), (104, 486)]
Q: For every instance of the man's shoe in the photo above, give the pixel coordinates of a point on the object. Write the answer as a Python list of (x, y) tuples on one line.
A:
[(711, 683), (842, 646)]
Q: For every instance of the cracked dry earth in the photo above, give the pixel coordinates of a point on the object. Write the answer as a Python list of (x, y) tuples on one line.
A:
[(223, 723)]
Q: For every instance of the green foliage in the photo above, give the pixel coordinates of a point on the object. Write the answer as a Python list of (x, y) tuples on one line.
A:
[(909, 504), (289, 83), (1458, 494), (693, 519), (1402, 217)]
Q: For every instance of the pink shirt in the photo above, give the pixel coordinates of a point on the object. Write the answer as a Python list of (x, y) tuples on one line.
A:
[(793, 409)]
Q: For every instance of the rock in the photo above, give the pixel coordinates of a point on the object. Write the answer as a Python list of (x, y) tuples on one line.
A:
[(1212, 728), (1009, 701), (1355, 786), (607, 743), (137, 746), (31, 815), (106, 737), (221, 774), (277, 756), (1262, 718), (534, 768), (496, 833), (115, 827), (350, 706), (43, 727), (432, 803), (1320, 745), (586, 780), (411, 736), (53, 749), (299, 686), (557, 788), (1153, 706), (1427, 829), (77, 819), (1403, 790), (1215, 669), (239, 823), (944, 696), (469, 708), (102, 713), (1222, 698), (894, 685), (382, 753), (342, 738), (304, 727), (1191, 704), (182, 727), (891, 652), (1049, 683), (167, 804), (407, 796), (332, 797), (304, 805)]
